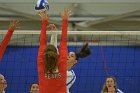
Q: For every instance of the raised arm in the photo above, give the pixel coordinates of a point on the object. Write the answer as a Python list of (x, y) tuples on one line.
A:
[(42, 47), (43, 42), (63, 41), (44, 18), (13, 25), (53, 35)]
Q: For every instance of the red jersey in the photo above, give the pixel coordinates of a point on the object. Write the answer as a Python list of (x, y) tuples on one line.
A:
[(55, 82), (5, 42)]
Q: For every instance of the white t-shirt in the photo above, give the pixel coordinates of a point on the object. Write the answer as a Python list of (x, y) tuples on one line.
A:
[(70, 79)]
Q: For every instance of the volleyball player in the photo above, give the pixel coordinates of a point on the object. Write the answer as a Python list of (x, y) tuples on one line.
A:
[(72, 59), (3, 84), (110, 86), (51, 66), (34, 88), (13, 25)]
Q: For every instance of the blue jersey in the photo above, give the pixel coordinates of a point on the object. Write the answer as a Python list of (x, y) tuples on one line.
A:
[(71, 77)]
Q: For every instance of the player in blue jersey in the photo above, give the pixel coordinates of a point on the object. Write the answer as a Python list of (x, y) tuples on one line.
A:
[(73, 57), (110, 85)]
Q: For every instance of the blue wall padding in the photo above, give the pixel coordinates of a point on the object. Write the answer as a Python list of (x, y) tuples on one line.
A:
[(19, 66)]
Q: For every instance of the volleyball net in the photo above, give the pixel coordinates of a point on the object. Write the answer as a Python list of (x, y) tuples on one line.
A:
[(113, 53)]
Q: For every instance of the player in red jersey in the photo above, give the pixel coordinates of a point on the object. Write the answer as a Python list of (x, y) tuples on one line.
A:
[(52, 66)]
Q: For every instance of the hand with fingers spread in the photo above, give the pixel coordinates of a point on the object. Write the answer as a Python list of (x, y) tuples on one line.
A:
[(44, 15), (66, 13), (14, 24)]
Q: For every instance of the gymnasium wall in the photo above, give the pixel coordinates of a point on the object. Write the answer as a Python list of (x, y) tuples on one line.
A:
[(19, 66)]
